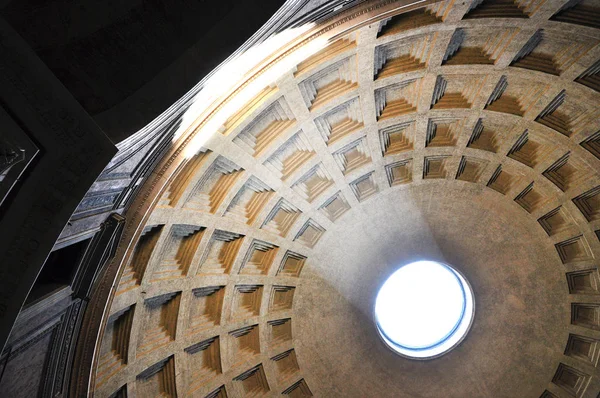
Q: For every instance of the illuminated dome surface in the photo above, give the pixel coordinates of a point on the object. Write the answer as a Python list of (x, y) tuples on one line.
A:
[(424, 309), (256, 266)]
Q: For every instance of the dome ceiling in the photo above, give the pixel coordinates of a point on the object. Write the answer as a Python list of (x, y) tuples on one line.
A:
[(522, 312), (466, 133)]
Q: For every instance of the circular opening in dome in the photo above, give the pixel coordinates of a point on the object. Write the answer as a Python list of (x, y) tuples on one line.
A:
[(424, 309)]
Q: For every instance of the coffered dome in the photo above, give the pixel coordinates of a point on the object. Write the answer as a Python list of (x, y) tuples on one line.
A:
[(459, 132)]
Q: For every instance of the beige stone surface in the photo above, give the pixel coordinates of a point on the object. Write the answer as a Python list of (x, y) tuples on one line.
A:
[(258, 267), (522, 314)]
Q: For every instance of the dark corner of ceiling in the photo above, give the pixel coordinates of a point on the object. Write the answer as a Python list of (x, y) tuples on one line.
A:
[(127, 61)]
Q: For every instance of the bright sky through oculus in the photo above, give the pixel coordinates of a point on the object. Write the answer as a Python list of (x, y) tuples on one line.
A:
[(424, 309)]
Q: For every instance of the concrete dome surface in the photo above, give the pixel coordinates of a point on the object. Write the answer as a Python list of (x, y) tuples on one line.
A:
[(315, 164)]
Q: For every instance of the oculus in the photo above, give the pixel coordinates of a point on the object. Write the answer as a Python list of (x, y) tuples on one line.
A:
[(424, 309)]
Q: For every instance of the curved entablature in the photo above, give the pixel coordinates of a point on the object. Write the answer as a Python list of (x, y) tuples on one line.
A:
[(490, 94)]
